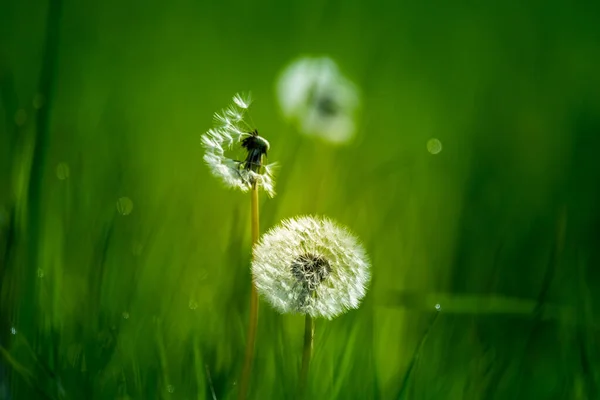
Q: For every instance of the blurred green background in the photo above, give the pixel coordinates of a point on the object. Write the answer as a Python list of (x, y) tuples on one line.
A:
[(147, 297)]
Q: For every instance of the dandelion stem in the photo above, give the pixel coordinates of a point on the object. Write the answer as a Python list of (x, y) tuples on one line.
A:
[(309, 332), (251, 338)]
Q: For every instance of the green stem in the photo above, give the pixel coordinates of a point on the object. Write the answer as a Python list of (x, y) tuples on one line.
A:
[(309, 332), (251, 338)]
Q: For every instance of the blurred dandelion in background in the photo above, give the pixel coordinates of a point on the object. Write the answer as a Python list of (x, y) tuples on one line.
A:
[(233, 133), (315, 97), (312, 266)]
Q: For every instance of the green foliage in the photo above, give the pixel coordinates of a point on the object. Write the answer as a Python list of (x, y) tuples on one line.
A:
[(147, 297)]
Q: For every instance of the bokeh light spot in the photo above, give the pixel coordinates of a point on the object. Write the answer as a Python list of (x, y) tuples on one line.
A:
[(62, 171), (124, 206), (434, 146)]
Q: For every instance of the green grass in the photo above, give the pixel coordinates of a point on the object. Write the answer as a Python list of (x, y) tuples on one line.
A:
[(500, 228)]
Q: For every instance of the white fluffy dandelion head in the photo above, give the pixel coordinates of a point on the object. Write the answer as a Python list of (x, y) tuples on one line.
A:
[(314, 95), (232, 134), (311, 265)]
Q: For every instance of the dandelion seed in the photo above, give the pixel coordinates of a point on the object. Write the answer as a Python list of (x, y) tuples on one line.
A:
[(316, 97), (231, 134), (242, 102), (312, 266)]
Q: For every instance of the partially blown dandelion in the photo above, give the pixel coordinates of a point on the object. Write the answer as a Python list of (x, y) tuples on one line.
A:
[(233, 134), (311, 266)]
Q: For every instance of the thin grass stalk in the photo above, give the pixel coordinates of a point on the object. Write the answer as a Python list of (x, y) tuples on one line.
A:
[(253, 322), (309, 333), (413, 362)]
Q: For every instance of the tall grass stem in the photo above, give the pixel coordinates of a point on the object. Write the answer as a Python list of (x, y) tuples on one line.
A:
[(252, 323)]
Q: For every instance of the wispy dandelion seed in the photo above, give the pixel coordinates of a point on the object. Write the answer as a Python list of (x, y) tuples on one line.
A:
[(311, 266), (233, 134)]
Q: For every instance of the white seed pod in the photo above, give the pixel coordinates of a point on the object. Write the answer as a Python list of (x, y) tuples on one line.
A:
[(311, 265), (233, 134)]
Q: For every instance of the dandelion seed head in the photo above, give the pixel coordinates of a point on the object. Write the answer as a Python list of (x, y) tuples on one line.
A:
[(231, 134), (318, 99), (311, 265)]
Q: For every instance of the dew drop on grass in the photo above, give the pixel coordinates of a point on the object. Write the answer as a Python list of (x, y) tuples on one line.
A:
[(193, 304), (13, 330), (170, 388), (434, 146), (40, 273), (62, 171), (438, 307), (124, 206), (125, 315)]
